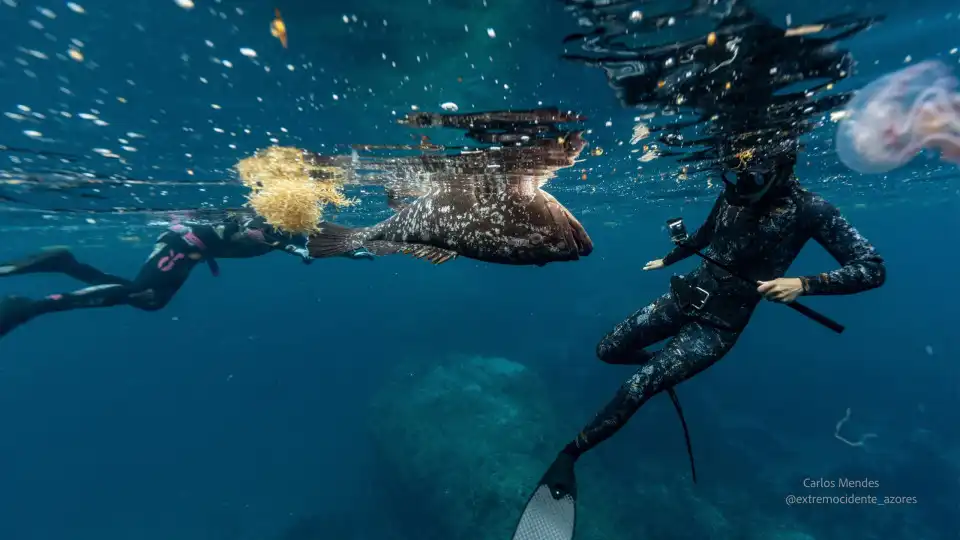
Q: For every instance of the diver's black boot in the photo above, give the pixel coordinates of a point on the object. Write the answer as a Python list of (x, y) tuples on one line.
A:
[(14, 311), (551, 511), (54, 260), (560, 477)]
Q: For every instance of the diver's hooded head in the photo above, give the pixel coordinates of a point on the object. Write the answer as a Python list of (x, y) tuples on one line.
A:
[(750, 180)]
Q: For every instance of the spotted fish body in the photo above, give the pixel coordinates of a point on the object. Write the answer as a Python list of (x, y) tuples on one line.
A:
[(505, 221)]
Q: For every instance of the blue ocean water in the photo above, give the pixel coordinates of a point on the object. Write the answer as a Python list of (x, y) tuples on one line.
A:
[(357, 400)]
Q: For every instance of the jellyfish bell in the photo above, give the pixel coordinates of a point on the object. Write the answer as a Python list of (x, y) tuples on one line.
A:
[(894, 118)]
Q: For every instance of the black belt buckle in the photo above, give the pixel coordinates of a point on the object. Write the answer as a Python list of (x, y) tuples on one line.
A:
[(698, 305), (689, 295)]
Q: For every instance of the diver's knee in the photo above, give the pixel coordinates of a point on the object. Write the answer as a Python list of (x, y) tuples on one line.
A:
[(605, 351), (881, 276), (150, 305), (61, 253), (149, 300)]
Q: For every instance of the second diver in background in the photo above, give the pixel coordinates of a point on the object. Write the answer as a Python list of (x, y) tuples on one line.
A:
[(176, 252)]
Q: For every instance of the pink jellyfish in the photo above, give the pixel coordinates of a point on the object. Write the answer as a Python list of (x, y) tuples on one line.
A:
[(889, 121)]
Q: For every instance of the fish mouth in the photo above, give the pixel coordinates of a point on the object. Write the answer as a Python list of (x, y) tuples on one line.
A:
[(578, 235), (576, 242), (577, 143)]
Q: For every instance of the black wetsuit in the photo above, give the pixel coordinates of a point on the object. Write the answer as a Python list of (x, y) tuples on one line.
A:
[(759, 243), (176, 252)]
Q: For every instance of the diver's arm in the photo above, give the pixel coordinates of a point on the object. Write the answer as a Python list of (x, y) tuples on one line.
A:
[(256, 234), (298, 246), (862, 268), (698, 241)]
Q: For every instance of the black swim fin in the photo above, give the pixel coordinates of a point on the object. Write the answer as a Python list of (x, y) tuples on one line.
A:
[(686, 432), (52, 260), (551, 511), (14, 311)]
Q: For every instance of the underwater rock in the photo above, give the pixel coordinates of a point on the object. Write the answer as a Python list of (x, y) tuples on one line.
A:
[(465, 442), (336, 525), (462, 443), (785, 535)]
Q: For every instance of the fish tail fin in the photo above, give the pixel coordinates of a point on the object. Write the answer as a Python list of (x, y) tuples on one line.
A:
[(334, 240)]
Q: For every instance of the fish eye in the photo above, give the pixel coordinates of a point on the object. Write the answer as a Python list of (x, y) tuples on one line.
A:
[(536, 239)]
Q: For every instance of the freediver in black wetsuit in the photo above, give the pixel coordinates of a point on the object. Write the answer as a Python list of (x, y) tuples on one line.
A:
[(175, 254), (756, 228), (748, 88)]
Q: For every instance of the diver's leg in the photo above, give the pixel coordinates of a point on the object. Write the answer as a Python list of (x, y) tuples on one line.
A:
[(59, 261), (695, 348), (652, 324), (159, 279)]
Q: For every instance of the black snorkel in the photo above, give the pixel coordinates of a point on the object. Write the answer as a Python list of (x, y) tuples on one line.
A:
[(678, 235)]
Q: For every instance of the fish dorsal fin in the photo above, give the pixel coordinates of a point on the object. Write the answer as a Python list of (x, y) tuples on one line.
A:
[(492, 189), (429, 253)]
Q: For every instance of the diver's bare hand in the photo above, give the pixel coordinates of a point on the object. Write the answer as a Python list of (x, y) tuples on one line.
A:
[(784, 290), (654, 265)]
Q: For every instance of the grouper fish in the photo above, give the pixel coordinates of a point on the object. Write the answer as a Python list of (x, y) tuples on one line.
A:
[(504, 220)]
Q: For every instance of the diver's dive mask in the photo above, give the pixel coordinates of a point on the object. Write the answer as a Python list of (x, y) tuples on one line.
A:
[(746, 185)]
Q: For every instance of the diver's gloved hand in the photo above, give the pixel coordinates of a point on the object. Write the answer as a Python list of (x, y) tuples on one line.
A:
[(560, 478), (304, 253), (361, 253), (654, 265)]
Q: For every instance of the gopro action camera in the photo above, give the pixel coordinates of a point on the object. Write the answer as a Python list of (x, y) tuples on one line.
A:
[(677, 230)]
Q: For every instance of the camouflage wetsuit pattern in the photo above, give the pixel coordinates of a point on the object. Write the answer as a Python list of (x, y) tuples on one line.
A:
[(759, 243)]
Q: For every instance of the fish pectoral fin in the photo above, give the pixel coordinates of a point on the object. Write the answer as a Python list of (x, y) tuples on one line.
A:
[(429, 253)]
